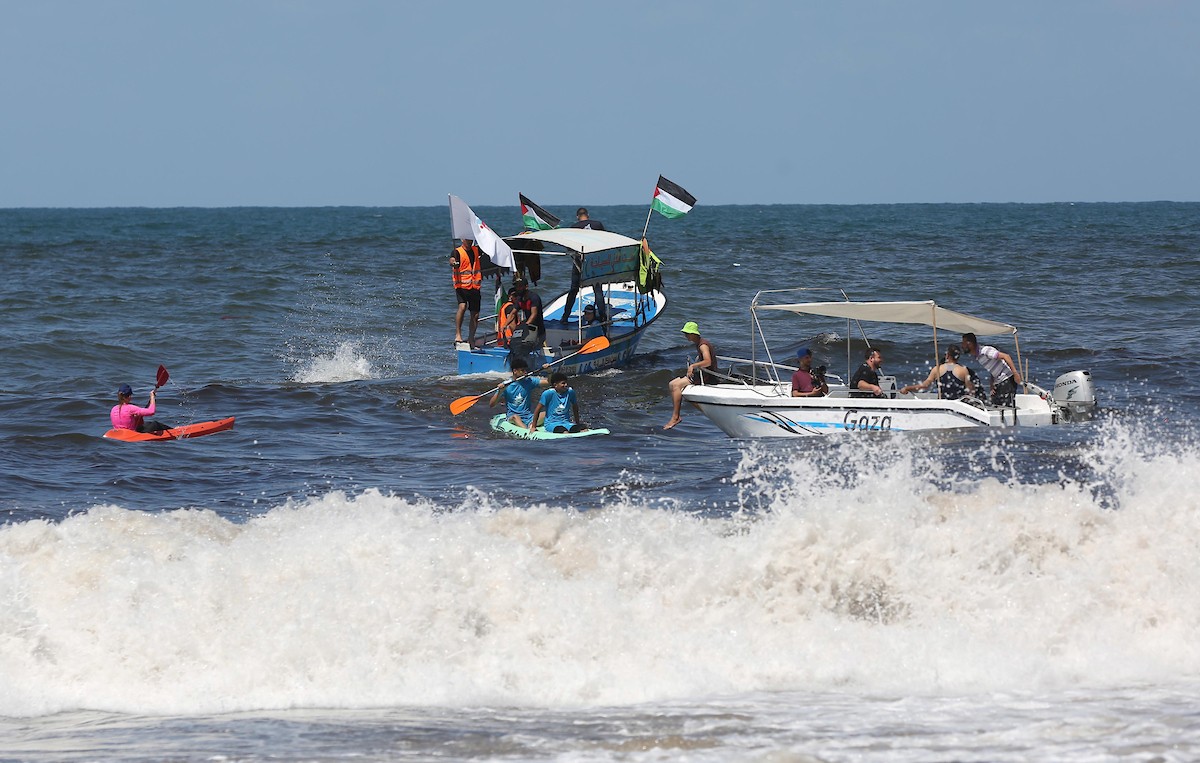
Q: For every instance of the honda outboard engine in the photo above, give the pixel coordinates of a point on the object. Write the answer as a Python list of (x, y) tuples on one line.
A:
[(1075, 395)]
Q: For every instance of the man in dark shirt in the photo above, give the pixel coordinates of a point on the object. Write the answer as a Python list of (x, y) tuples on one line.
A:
[(530, 305), (866, 379), (582, 220)]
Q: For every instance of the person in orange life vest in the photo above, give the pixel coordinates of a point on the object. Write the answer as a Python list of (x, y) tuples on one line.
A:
[(507, 319), (467, 274)]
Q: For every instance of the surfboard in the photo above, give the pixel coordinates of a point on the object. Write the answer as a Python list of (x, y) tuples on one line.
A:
[(501, 423), (175, 433)]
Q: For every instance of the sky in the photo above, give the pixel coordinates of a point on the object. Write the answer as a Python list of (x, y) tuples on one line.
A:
[(215, 103)]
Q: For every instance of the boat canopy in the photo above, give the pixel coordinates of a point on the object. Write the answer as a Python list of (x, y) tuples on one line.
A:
[(607, 257), (922, 313), (582, 240)]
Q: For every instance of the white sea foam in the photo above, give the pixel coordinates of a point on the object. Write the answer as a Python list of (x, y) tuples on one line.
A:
[(346, 363), (877, 578)]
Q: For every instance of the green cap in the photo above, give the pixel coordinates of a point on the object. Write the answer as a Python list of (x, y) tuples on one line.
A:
[(691, 328)]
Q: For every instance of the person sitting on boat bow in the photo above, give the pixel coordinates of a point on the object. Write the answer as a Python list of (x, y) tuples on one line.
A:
[(953, 379), (865, 382), (804, 382), (701, 371), (1005, 376)]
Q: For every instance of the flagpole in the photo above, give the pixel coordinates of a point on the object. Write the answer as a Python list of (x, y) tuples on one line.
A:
[(649, 212), (452, 237)]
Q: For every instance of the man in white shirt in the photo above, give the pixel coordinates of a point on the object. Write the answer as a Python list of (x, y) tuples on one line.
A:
[(1005, 376)]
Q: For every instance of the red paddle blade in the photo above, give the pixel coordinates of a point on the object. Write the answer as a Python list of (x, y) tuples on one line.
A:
[(162, 377)]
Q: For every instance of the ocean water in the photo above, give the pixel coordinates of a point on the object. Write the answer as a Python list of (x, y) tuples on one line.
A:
[(353, 573)]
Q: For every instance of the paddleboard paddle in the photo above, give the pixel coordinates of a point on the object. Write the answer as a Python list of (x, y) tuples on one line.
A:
[(590, 346)]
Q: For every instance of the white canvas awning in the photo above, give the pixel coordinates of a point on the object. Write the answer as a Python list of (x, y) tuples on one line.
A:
[(921, 313), (582, 240)]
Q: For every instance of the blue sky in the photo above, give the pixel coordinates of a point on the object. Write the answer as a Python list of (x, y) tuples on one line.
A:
[(256, 102)]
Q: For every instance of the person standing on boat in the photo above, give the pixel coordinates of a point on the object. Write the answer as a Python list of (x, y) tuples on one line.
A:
[(954, 381), (561, 407), (804, 382), (518, 392), (701, 371), (1005, 376), (866, 379), (467, 275), (582, 220), (126, 415)]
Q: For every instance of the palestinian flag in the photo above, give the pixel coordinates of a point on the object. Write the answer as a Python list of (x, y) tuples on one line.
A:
[(671, 200), (535, 217)]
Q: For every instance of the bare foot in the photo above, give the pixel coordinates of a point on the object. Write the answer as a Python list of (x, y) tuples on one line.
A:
[(672, 423)]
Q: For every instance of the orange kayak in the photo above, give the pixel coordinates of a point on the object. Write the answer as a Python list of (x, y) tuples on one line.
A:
[(177, 433)]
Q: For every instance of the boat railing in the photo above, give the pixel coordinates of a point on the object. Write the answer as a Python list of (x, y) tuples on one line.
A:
[(750, 371), (761, 373)]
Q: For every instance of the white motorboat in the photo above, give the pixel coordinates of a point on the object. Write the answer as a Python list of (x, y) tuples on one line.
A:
[(752, 400)]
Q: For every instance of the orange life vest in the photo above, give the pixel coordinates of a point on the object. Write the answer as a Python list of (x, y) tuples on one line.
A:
[(468, 275), (508, 321)]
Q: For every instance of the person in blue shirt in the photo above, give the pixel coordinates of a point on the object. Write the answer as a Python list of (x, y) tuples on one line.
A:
[(518, 392), (560, 405)]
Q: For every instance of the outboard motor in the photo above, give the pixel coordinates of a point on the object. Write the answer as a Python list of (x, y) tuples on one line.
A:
[(1075, 395), (524, 344)]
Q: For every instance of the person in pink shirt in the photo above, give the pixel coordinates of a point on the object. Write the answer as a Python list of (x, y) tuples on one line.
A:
[(126, 415)]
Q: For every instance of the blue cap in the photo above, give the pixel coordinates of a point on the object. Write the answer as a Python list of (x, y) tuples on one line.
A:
[(802, 352), (125, 389)]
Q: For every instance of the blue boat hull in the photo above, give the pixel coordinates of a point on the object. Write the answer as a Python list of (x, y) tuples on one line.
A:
[(495, 359), (563, 340)]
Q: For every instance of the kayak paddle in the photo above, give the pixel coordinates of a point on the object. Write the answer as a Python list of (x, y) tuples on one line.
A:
[(592, 345), (162, 377)]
